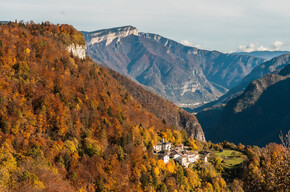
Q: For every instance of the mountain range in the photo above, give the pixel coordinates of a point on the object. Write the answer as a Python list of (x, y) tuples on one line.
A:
[(203, 81), (255, 111), (263, 54), (184, 75), (258, 72)]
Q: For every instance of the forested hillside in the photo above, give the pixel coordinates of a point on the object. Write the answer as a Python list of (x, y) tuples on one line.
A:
[(163, 109), (67, 124)]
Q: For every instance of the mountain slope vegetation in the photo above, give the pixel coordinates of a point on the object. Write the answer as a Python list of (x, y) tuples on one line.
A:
[(66, 124), (168, 112)]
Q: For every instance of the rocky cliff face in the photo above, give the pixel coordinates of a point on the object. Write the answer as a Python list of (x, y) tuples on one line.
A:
[(108, 36), (77, 50), (184, 75)]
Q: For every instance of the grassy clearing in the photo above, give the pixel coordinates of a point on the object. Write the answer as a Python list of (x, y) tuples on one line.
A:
[(231, 158)]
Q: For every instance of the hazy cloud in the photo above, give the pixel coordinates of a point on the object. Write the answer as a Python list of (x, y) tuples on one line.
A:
[(280, 45), (186, 43), (276, 45), (251, 47), (197, 46)]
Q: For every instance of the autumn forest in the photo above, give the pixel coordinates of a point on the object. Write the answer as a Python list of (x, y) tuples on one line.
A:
[(67, 124)]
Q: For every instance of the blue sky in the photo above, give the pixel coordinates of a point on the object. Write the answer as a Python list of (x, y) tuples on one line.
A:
[(224, 25)]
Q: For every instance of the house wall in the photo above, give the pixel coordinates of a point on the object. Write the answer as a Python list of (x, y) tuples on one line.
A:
[(193, 158), (166, 159), (158, 147)]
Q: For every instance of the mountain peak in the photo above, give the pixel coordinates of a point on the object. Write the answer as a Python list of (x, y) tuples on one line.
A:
[(109, 35)]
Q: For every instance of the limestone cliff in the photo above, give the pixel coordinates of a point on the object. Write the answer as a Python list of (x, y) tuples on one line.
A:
[(77, 50)]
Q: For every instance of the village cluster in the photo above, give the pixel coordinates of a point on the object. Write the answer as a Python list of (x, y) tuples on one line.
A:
[(181, 154)]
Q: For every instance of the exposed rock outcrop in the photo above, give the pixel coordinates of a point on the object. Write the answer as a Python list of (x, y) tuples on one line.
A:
[(109, 35), (77, 50)]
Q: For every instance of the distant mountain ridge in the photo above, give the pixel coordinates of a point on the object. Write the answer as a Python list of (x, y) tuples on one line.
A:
[(260, 113), (4, 22), (184, 75), (256, 116), (263, 54), (258, 72)]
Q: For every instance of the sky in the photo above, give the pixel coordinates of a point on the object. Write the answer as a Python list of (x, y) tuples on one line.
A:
[(223, 25)]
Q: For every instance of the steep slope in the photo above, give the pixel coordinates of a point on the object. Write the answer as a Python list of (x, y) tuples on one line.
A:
[(184, 75), (66, 124), (171, 114), (263, 54), (263, 69), (258, 115)]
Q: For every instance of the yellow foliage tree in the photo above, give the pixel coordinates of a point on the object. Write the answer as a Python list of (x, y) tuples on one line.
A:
[(8, 165)]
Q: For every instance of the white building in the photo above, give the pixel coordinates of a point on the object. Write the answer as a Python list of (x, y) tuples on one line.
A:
[(158, 147), (192, 157), (204, 155), (163, 146), (182, 160), (165, 158), (179, 147), (166, 146), (174, 155)]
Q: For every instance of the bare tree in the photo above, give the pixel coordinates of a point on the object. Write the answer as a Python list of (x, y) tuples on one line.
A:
[(285, 141)]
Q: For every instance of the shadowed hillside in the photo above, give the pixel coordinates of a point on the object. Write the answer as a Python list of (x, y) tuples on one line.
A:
[(255, 117)]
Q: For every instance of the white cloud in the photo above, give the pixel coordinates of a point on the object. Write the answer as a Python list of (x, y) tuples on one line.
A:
[(197, 46), (276, 45), (262, 48), (251, 47), (186, 43)]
